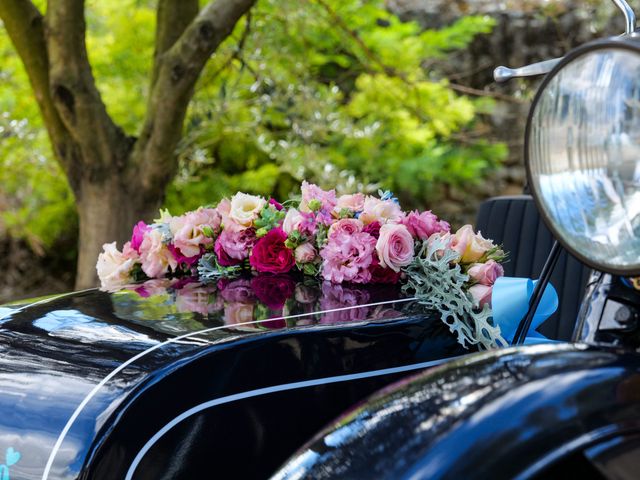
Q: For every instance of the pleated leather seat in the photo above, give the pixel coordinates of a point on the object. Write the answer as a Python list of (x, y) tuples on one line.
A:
[(515, 223)]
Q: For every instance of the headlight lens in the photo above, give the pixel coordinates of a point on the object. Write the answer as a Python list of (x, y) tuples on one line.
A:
[(583, 157)]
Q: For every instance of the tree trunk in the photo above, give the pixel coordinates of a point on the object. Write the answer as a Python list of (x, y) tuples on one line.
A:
[(107, 212)]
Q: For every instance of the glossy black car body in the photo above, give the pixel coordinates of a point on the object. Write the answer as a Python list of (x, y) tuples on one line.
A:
[(98, 386), (87, 380)]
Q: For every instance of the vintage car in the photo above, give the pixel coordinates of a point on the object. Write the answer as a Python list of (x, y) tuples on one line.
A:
[(276, 377)]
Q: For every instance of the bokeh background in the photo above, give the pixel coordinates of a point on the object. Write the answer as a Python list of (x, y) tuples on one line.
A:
[(352, 94)]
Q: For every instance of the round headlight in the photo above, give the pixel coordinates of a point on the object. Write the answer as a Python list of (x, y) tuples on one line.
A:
[(582, 153)]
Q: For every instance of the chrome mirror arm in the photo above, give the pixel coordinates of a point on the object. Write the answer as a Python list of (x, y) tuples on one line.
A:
[(629, 16), (502, 74)]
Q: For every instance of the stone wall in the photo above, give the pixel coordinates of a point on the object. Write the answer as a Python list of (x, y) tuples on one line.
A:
[(526, 31)]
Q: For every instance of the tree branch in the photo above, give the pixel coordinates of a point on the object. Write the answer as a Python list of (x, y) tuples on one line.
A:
[(173, 17), (74, 92), (25, 26), (178, 70)]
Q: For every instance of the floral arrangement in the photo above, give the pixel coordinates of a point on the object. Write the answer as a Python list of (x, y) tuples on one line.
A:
[(356, 238)]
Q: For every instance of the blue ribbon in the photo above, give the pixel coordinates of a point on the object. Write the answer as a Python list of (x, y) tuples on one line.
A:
[(510, 302)]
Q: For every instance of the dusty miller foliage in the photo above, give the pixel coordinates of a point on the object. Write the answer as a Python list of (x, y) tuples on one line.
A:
[(209, 270), (438, 283)]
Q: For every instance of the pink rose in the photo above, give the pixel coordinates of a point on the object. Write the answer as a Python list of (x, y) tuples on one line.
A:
[(470, 245), (481, 294), (305, 253), (138, 235), (188, 230), (156, 257), (311, 192), (347, 257), (354, 202), (486, 273), (233, 246), (395, 246), (423, 225), (346, 225), (382, 211), (292, 221), (270, 255)]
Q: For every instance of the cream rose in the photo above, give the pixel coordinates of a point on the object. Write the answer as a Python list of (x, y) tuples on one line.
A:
[(113, 267), (353, 202), (382, 211), (470, 245), (245, 208), (394, 246)]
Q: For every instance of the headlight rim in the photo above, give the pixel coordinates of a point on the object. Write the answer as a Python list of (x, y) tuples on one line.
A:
[(627, 42)]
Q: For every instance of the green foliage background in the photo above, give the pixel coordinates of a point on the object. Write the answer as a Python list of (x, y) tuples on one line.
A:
[(339, 92)]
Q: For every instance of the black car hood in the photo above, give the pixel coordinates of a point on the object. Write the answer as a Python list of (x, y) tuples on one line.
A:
[(70, 363)]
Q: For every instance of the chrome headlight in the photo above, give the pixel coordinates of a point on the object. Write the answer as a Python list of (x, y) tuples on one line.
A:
[(582, 152)]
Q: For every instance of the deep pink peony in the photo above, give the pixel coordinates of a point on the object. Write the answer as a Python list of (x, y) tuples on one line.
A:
[(270, 255), (273, 290), (423, 225), (346, 257), (233, 246), (138, 235)]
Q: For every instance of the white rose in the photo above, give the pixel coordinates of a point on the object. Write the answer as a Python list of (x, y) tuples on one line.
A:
[(113, 267), (245, 208)]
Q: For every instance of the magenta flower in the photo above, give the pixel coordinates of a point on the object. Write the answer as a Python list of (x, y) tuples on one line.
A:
[(270, 255), (138, 235), (423, 225)]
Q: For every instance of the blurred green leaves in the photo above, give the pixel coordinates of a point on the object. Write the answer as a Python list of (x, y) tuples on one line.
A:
[(338, 92)]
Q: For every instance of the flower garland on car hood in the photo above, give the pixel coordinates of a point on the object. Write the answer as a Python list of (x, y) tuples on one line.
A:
[(356, 238)]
